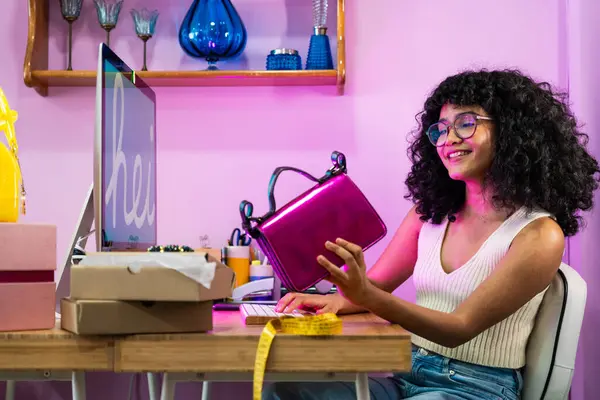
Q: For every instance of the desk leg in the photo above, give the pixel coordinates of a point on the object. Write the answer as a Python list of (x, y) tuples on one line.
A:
[(10, 390), (78, 385), (362, 387), (167, 391), (151, 386), (206, 390)]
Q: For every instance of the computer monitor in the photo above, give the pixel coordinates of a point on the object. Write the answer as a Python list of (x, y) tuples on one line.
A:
[(121, 202), (124, 157)]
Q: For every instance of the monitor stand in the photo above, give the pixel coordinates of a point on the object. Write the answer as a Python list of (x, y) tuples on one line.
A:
[(76, 250)]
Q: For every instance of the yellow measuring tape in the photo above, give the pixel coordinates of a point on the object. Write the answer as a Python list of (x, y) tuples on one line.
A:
[(317, 325)]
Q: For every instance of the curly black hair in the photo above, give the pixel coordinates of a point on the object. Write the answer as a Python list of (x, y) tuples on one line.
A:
[(540, 157)]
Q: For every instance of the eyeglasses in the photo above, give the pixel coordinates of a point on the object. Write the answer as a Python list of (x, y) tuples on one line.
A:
[(464, 126)]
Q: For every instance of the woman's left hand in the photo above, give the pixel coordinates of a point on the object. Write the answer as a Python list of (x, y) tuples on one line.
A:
[(353, 282)]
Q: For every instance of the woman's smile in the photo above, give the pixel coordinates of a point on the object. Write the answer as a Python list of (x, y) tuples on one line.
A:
[(457, 155)]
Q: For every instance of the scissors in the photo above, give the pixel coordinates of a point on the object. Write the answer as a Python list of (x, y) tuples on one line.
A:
[(239, 239)]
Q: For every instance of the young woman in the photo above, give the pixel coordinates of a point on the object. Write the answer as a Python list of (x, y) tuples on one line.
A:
[(500, 172)]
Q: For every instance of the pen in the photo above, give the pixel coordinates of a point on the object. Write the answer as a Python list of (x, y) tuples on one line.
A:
[(223, 255)]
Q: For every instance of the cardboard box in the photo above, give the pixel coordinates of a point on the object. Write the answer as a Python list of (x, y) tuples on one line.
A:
[(27, 288), (110, 317), (212, 252), (151, 283)]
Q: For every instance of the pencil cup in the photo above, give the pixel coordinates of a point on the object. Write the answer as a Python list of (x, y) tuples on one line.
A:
[(259, 271), (238, 259)]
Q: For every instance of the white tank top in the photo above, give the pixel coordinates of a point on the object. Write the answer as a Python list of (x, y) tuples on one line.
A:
[(502, 345)]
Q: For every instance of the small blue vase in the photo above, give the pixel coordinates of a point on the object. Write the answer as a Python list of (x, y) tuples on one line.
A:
[(213, 30), (319, 50)]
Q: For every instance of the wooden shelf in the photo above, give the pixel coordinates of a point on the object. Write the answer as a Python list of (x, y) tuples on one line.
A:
[(196, 78), (36, 74)]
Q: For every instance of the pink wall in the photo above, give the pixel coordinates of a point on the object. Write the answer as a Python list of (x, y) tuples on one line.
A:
[(219, 145), (584, 83)]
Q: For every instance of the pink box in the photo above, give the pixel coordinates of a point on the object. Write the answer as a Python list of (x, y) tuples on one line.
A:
[(27, 247), (27, 287), (27, 306)]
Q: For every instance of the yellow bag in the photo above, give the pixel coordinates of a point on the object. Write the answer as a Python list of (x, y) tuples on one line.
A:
[(11, 179)]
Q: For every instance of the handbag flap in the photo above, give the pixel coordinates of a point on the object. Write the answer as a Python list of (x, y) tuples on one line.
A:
[(296, 234)]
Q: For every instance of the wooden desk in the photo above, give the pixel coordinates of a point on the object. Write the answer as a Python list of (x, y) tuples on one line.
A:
[(55, 350), (53, 355), (367, 345)]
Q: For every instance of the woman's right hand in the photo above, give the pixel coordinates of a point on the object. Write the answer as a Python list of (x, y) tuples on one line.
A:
[(310, 302)]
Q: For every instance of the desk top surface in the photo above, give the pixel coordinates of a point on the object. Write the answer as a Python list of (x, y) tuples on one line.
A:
[(230, 323), (226, 323), (55, 333), (367, 343)]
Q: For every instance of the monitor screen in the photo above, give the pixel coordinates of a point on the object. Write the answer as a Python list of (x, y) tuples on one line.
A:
[(128, 159)]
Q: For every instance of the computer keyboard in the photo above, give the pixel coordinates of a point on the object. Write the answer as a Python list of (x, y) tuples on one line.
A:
[(260, 314)]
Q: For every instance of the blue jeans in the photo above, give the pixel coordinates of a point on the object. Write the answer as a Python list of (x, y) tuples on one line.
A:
[(433, 377)]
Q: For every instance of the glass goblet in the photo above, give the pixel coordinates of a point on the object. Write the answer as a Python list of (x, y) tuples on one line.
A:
[(70, 9), (145, 25), (108, 15)]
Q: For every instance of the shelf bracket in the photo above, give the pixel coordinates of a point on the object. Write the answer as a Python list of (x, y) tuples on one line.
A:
[(36, 54), (341, 47)]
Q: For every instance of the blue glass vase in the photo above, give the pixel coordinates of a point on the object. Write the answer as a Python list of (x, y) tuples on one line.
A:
[(213, 30), (319, 50)]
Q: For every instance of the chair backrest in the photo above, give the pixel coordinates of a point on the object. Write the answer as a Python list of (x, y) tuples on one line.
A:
[(553, 342)]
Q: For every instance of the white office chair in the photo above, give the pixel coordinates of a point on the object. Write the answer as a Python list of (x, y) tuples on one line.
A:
[(553, 342)]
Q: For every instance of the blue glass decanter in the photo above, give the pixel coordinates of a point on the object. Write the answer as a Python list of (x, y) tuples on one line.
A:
[(213, 30)]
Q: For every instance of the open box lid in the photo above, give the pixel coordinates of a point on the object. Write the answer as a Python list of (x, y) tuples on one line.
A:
[(94, 281)]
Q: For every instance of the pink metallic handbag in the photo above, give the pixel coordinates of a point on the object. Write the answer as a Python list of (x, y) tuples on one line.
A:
[(293, 236)]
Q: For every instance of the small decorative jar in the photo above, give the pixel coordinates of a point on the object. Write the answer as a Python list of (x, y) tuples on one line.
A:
[(284, 59)]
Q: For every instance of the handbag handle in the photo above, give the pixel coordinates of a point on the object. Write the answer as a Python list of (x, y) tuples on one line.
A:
[(246, 208), (275, 176)]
